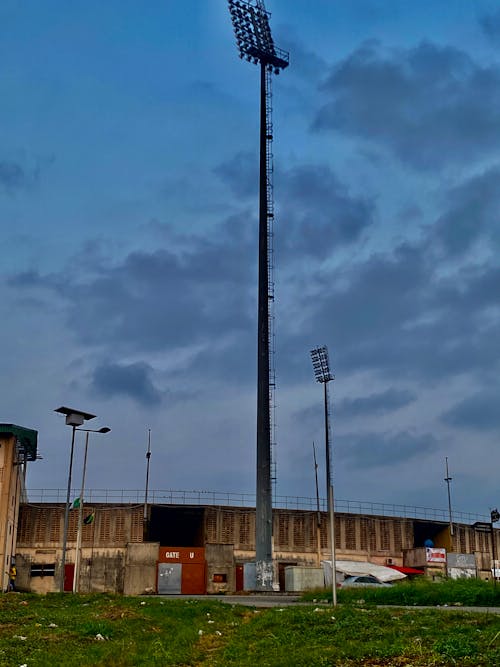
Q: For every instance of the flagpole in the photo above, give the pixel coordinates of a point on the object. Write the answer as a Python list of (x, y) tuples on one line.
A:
[(76, 578), (145, 518)]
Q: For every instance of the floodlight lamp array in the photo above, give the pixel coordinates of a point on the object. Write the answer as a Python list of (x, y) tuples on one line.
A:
[(321, 364), (253, 35)]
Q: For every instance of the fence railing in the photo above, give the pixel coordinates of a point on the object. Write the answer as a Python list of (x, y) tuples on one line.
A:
[(235, 499)]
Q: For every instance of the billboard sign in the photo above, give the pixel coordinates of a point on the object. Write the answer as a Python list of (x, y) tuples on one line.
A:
[(434, 555), (461, 566), (465, 561)]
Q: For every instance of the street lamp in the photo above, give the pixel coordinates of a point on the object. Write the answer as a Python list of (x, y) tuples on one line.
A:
[(321, 366), (74, 418), (76, 578)]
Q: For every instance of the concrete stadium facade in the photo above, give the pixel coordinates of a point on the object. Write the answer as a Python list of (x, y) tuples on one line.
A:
[(210, 545), (200, 547)]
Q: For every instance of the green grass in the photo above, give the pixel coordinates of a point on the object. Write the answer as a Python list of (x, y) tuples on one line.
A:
[(57, 629), (466, 592)]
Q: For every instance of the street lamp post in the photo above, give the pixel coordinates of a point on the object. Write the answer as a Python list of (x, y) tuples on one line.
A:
[(76, 578), (74, 418), (321, 366)]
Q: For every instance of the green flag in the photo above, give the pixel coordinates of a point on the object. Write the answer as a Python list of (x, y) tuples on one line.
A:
[(76, 504), (89, 519)]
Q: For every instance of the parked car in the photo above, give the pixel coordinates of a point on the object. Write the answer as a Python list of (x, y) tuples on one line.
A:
[(363, 580)]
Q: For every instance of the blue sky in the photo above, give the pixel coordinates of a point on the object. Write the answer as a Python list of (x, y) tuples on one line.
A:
[(128, 210)]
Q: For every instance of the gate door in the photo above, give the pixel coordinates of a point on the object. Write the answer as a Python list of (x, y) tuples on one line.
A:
[(69, 575), (169, 578)]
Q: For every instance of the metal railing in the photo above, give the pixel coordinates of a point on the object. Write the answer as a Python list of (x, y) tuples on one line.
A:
[(234, 499)]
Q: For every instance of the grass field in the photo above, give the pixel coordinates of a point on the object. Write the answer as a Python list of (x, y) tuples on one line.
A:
[(66, 630)]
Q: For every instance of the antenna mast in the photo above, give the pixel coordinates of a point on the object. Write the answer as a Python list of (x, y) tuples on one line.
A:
[(318, 512)]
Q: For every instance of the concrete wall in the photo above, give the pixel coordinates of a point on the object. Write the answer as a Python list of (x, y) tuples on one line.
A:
[(11, 484), (295, 535), (220, 564), (140, 568), (114, 556), (102, 571), (299, 579)]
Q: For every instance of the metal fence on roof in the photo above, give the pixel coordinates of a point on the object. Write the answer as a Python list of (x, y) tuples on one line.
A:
[(235, 499)]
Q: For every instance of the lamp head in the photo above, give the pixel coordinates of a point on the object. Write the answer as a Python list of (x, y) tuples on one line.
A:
[(74, 417)]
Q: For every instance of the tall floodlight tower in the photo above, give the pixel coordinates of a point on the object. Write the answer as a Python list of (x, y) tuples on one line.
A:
[(255, 43)]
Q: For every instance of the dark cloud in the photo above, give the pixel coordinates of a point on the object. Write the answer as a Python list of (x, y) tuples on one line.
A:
[(132, 380), (320, 212), (411, 312), (200, 293), (15, 177), (472, 214), (430, 105), (400, 315), (241, 174), (479, 412), (405, 313), (28, 278), (306, 64), (490, 25), (374, 404), (308, 417), (383, 450)]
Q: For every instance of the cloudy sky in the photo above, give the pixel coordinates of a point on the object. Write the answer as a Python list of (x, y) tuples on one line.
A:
[(128, 211)]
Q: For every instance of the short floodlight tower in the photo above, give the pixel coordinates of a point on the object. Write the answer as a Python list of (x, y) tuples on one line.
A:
[(255, 43), (74, 418), (321, 366)]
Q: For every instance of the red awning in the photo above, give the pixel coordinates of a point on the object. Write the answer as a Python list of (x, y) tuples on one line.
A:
[(406, 570)]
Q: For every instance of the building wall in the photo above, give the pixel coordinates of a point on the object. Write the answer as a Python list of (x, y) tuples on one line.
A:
[(140, 568), (295, 535), (11, 487), (221, 570), (105, 553), (114, 556)]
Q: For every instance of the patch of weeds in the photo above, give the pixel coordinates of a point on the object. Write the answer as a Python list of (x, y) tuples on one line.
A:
[(94, 628), (457, 645), (120, 614)]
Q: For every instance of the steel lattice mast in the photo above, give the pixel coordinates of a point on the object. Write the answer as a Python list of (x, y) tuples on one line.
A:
[(255, 43)]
